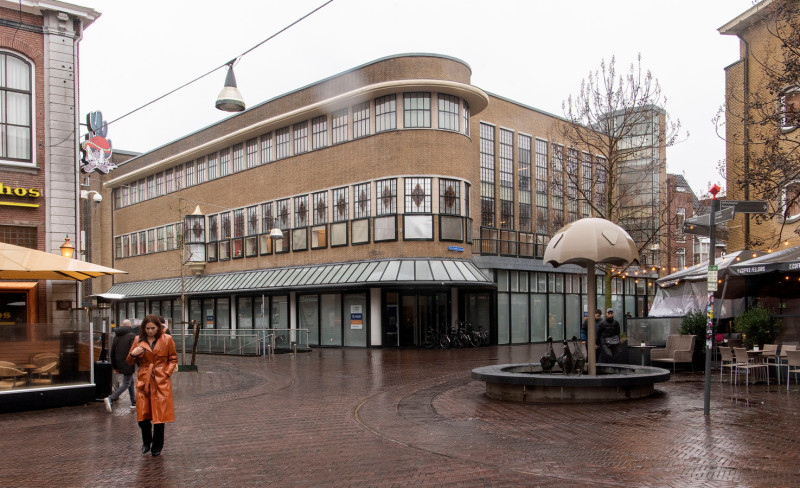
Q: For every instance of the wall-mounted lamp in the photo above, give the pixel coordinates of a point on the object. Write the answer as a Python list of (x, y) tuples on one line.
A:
[(276, 234), (67, 249), (229, 98)]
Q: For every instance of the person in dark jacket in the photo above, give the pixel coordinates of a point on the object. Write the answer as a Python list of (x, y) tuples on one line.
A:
[(598, 316), (608, 338), (123, 338)]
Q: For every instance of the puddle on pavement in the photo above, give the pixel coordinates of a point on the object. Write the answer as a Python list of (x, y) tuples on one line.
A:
[(744, 402)]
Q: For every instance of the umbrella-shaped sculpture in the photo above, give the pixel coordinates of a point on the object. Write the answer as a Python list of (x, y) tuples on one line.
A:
[(587, 242), (21, 263)]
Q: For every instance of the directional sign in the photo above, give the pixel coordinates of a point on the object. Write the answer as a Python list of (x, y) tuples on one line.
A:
[(723, 215), (746, 206), (713, 276), (696, 230)]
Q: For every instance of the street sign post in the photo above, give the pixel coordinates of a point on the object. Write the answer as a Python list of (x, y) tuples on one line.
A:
[(713, 271), (723, 215), (745, 206)]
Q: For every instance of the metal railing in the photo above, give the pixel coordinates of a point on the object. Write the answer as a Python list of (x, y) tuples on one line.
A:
[(244, 342)]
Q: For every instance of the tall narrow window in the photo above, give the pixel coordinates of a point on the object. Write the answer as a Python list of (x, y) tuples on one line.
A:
[(168, 188), (282, 143), (16, 134), (159, 184), (386, 197), (572, 184), (142, 190), (416, 110), (790, 108), (557, 174), (189, 174), (151, 187), (361, 201), (340, 205), (506, 179), (252, 220), (448, 112), (225, 225), (319, 132), (238, 222), (213, 168), (266, 148), (465, 113), (200, 173), (385, 113), (178, 178), (542, 221), (600, 188), (361, 120), (418, 195), (251, 153), (449, 197), (586, 184), (225, 162), (238, 157), (282, 216), (267, 217), (524, 170), (487, 175), (301, 211), (301, 137), (339, 126), (320, 204)]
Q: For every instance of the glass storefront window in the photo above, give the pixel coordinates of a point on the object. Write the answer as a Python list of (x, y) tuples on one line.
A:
[(520, 319), (538, 318), (308, 317), (331, 320), (574, 316), (502, 318), (555, 321), (280, 320), (244, 313), (260, 310), (355, 330)]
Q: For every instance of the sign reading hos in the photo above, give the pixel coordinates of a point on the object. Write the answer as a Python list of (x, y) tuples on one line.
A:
[(19, 191)]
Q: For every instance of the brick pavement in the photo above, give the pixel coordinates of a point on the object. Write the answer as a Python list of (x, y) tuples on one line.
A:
[(386, 418)]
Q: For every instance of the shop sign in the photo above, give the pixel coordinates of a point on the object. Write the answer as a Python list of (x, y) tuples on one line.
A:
[(96, 148), (10, 191), (356, 317)]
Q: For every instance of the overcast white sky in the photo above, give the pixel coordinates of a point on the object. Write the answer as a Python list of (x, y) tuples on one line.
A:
[(534, 52)]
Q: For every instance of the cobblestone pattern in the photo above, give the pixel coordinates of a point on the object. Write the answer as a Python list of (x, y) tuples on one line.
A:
[(386, 418)]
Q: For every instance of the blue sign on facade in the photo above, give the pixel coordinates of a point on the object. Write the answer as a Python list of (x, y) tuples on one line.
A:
[(455, 248)]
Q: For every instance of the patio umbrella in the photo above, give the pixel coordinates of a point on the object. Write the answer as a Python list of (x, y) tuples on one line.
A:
[(587, 242), (22, 263)]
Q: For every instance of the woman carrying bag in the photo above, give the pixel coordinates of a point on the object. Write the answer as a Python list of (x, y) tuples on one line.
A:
[(155, 354)]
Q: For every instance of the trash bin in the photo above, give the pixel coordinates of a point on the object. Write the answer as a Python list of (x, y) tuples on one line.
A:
[(102, 379), (68, 356)]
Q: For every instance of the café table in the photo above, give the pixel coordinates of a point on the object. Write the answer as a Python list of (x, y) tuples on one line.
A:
[(643, 348)]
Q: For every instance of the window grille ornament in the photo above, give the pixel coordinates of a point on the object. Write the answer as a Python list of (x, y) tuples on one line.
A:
[(450, 197), (301, 213), (197, 230), (418, 195), (321, 208), (386, 197), (362, 204), (341, 206), (284, 215)]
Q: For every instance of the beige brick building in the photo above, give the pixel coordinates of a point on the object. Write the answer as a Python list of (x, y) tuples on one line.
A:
[(753, 117), (408, 200)]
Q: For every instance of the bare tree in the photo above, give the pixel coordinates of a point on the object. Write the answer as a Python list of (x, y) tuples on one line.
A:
[(618, 131), (761, 122)]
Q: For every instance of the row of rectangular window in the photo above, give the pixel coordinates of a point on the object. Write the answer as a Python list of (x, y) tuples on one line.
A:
[(294, 140), (355, 232), (158, 239), (550, 198)]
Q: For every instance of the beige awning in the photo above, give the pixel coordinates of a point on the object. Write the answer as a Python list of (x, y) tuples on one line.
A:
[(22, 263)]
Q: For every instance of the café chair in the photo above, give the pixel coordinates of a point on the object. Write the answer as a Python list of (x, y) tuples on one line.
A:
[(726, 361), (782, 357), (744, 362), (45, 374), (792, 366), (44, 358), (9, 377)]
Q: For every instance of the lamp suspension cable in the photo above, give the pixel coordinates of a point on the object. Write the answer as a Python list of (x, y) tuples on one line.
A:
[(226, 64)]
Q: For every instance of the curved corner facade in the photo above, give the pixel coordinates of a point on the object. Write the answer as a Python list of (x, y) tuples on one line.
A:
[(369, 209)]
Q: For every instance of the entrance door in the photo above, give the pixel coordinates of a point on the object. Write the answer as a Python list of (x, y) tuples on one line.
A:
[(418, 313)]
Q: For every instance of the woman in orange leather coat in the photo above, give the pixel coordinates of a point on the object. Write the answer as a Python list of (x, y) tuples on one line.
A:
[(155, 354)]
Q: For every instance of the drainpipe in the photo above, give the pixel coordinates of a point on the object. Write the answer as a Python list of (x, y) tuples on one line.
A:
[(746, 135)]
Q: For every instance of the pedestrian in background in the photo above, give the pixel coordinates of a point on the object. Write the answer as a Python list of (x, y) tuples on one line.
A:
[(598, 315), (155, 354), (123, 339), (608, 338)]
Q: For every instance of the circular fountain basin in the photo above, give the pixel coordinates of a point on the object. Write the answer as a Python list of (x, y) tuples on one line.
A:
[(527, 383)]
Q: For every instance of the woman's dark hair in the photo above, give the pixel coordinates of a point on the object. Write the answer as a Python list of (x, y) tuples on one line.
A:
[(149, 319)]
